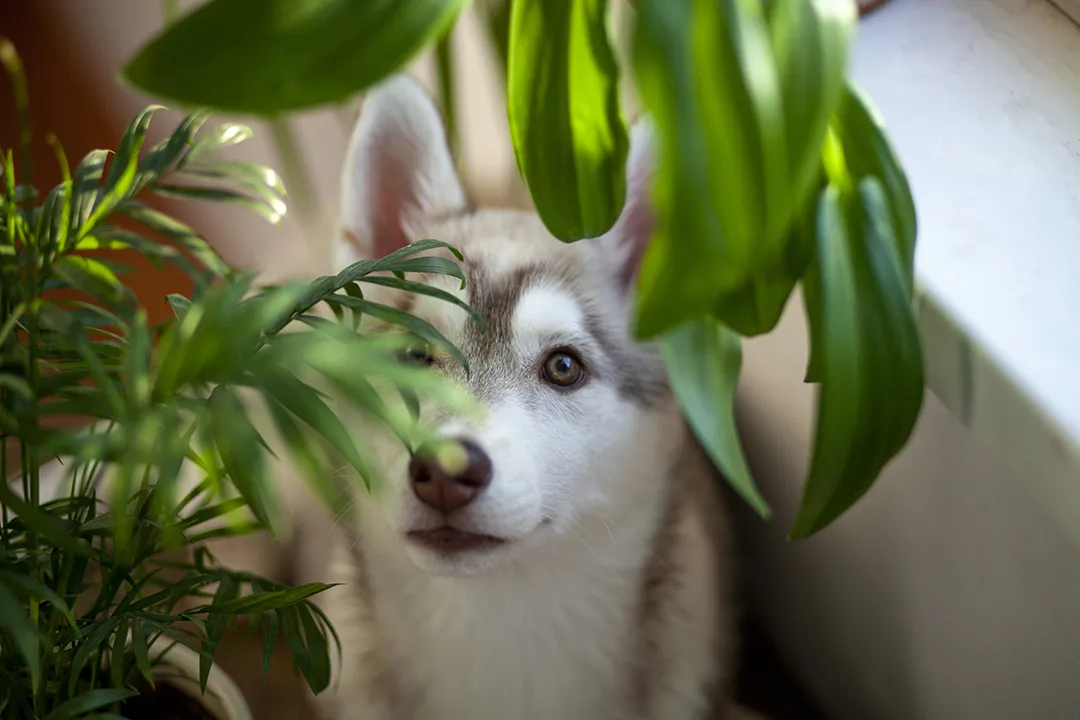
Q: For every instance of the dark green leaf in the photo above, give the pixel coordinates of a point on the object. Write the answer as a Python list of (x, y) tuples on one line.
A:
[(140, 649), (263, 601), (563, 104), (269, 640), (90, 701), (870, 354), (868, 153), (216, 623), (269, 56), (15, 619), (318, 675)]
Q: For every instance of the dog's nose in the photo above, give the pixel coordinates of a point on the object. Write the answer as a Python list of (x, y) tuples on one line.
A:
[(446, 491)]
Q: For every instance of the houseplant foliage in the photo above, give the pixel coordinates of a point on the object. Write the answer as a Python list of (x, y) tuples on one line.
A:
[(101, 572), (774, 172)]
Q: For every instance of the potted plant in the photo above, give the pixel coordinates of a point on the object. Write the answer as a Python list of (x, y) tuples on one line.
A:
[(775, 174), (127, 445)]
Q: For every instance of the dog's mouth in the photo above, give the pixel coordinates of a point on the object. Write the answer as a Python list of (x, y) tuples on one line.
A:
[(448, 539)]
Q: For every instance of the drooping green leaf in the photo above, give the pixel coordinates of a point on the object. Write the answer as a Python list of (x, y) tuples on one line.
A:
[(569, 137), (703, 359), (869, 349), (810, 40), (869, 153), (723, 192), (266, 57)]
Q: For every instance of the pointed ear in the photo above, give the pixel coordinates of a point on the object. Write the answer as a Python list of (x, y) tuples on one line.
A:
[(627, 240), (398, 170)]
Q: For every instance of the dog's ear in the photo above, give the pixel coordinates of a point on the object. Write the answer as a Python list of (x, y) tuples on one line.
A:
[(627, 240), (398, 170)]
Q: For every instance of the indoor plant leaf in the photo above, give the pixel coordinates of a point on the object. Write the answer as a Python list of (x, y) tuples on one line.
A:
[(266, 57), (706, 75), (569, 137), (703, 359), (870, 353)]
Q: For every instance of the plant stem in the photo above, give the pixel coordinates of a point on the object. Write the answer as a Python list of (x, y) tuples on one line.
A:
[(297, 180)]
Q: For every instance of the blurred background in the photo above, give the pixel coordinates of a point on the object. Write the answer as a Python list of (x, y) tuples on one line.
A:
[(946, 594)]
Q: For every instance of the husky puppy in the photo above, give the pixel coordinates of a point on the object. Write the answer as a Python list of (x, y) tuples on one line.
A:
[(576, 567)]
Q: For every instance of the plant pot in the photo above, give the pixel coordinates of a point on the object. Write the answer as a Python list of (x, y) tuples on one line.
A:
[(176, 678)]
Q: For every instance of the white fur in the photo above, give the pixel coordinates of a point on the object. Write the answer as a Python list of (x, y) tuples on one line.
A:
[(546, 625)]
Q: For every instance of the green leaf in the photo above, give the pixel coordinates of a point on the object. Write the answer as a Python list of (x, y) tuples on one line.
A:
[(420, 289), (318, 675), (90, 701), (869, 153), (703, 359), (870, 353), (140, 649), (810, 40), (178, 233), (227, 591), (304, 402), (241, 451), (706, 74), (91, 276), (269, 640), (411, 323), (221, 137), (121, 177), (563, 105), (266, 57), (15, 619), (272, 209), (261, 602)]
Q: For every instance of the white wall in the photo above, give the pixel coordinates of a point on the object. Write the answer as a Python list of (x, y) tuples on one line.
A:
[(946, 594)]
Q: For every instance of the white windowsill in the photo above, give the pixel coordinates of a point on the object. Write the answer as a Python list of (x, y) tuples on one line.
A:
[(982, 99)]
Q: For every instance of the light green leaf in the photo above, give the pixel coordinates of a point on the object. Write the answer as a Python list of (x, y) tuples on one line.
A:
[(266, 57), (810, 40), (706, 75), (563, 104), (870, 353), (91, 276), (703, 359)]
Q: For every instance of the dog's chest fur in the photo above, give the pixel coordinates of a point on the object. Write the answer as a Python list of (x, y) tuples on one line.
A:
[(548, 639), (586, 630)]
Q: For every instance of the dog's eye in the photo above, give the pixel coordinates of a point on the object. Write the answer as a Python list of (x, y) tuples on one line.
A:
[(418, 354), (563, 369)]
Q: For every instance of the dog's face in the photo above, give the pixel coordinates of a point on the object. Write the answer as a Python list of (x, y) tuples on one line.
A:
[(580, 426)]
